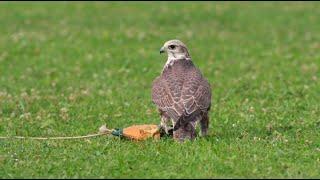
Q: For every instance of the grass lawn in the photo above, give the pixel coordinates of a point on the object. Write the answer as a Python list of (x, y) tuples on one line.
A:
[(68, 68)]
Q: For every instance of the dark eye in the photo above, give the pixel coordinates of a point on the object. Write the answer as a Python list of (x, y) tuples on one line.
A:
[(172, 47)]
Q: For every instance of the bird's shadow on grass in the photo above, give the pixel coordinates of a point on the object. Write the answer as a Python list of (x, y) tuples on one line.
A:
[(209, 137)]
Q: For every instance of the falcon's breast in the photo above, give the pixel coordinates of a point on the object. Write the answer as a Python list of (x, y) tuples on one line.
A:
[(181, 90)]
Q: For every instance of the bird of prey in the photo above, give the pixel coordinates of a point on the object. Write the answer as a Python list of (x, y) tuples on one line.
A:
[(181, 93)]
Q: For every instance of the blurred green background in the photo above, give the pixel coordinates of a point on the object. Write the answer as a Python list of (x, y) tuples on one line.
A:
[(66, 68)]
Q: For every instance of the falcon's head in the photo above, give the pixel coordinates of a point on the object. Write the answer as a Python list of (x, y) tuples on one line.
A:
[(175, 50)]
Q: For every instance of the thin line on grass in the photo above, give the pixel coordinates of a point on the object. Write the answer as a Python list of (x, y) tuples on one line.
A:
[(54, 138), (102, 131)]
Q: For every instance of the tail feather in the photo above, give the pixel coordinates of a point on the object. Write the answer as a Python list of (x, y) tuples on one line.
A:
[(184, 119)]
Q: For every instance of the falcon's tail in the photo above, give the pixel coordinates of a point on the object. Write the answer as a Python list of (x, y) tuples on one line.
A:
[(184, 119)]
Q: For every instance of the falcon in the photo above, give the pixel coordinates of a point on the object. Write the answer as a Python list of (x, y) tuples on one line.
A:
[(181, 93)]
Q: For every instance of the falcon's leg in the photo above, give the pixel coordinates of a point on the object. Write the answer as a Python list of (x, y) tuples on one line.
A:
[(204, 124), (186, 131), (165, 124)]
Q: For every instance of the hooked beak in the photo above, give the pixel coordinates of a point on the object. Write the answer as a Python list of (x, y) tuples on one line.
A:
[(162, 50)]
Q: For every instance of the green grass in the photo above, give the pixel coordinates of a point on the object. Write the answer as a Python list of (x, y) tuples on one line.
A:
[(68, 68)]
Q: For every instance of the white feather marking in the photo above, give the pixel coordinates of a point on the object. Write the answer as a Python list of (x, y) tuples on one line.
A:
[(171, 60)]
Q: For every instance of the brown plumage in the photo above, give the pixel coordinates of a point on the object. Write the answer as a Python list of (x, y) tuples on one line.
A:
[(181, 93)]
